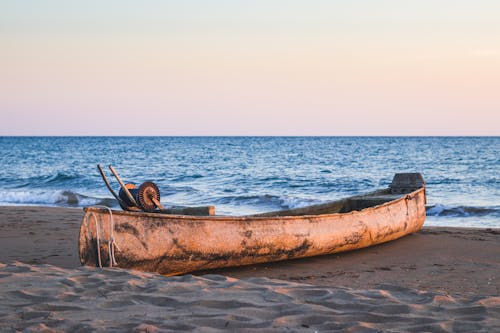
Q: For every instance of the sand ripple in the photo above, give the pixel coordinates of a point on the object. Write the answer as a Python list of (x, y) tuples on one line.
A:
[(46, 298)]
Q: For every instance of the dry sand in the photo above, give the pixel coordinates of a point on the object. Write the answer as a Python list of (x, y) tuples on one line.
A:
[(439, 280)]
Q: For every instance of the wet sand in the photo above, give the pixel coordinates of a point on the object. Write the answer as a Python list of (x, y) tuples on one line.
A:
[(439, 279)]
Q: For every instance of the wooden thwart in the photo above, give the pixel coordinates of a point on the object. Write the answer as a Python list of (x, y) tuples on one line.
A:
[(192, 211)]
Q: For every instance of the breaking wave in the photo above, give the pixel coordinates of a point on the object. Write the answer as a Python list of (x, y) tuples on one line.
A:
[(54, 198), (461, 211)]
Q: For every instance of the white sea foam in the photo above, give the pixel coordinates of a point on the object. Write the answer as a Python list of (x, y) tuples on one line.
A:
[(436, 210), (461, 211), (54, 197), (289, 202)]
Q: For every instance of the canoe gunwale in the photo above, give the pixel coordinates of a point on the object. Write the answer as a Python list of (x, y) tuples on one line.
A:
[(408, 196)]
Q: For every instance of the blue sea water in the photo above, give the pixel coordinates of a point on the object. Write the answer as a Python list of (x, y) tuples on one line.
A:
[(243, 175)]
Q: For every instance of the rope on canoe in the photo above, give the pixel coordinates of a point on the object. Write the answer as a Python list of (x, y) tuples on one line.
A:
[(97, 237), (111, 242)]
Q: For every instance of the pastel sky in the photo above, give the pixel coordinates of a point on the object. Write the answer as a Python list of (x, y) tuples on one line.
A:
[(352, 67)]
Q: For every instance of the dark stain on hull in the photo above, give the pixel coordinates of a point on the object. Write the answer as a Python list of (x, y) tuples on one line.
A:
[(127, 228), (267, 250), (356, 236), (130, 229), (203, 260)]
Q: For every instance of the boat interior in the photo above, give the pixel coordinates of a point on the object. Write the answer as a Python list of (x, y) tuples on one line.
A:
[(402, 184), (345, 205)]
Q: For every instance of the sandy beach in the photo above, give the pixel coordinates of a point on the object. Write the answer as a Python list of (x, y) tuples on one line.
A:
[(439, 279)]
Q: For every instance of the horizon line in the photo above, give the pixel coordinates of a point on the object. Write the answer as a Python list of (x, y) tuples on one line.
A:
[(254, 136)]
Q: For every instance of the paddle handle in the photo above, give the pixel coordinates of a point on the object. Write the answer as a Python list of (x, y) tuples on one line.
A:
[(105, 179), (124, 188)]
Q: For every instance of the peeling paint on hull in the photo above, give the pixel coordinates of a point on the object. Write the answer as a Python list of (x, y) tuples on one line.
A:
[(176, 244)]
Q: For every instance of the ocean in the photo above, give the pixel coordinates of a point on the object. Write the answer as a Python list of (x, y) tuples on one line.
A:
[(245, 175)]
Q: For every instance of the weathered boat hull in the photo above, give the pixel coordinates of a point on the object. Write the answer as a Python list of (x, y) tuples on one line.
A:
[(175, 244)]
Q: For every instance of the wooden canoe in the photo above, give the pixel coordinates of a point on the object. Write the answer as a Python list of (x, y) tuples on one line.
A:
[(176, 244)]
